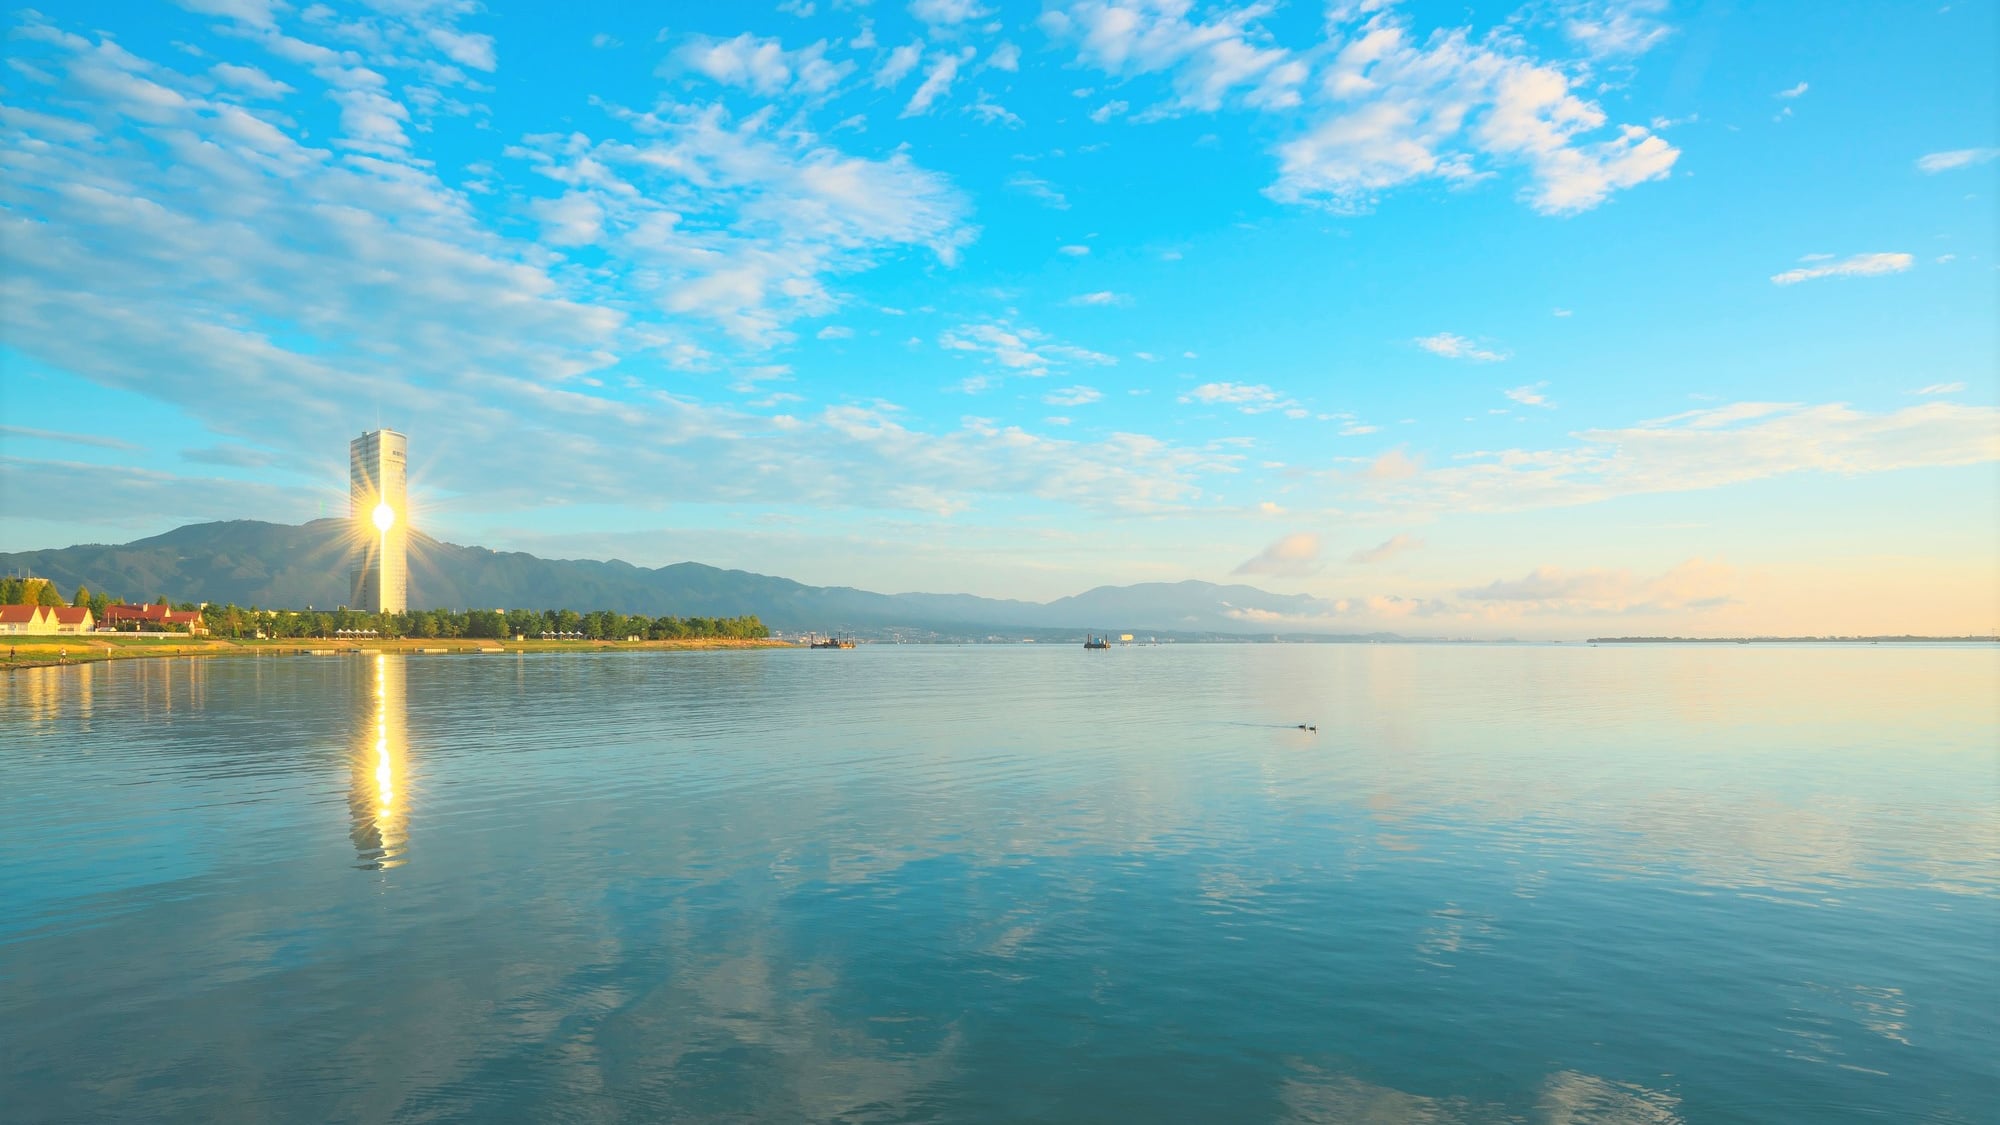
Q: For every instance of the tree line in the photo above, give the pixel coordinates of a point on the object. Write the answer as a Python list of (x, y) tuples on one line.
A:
[(41, 591), (600, 625), (237, 621)]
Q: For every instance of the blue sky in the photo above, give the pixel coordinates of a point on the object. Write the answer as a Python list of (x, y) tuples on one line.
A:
[(1469, 320)]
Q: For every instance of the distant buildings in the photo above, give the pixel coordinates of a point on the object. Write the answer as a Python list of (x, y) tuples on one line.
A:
[(378, 494), (152, 618), (44, 620)]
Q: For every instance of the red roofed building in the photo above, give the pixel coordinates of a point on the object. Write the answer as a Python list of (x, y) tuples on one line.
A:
[(72, 619), (148, 617), (16, 619), (41, 620)]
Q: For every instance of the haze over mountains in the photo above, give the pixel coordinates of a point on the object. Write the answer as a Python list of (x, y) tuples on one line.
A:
[(293, 566)]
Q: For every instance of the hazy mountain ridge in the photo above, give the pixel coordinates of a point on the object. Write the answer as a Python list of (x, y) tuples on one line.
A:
[(250, 562)]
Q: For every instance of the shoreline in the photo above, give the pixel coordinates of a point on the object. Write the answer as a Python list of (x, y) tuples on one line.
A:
[(47, 651)]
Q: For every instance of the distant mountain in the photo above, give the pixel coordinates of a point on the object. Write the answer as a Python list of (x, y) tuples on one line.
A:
[(280, 565)]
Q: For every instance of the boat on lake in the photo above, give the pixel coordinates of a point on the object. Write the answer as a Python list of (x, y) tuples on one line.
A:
[(1096, 642), (814, 640)]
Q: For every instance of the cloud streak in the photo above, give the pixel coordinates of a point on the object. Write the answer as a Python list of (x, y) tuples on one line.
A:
[(1860, 265), (1450, 345), (1294, 556)]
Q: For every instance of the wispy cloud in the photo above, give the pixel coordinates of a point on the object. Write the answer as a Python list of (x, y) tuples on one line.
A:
[(1100, 298), (1073, 396), (898, 63), (1385, 550), (1613, 28), (1037, 188), (1250, 398), (760, 65), (1792, 92), (1389, 105), (1696, 450), (1453, 346), (1531, 395), (97, 441), (1935, 162), (948, 12), (1940, 389), (937, 82), (1697, 584), (1294, 556), (1860, 265), (1018, 348)]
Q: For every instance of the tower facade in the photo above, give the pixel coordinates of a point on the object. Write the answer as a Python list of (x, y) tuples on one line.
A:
[(378, 496)]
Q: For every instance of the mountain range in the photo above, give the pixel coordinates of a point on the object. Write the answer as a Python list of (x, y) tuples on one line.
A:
[(295, 566)]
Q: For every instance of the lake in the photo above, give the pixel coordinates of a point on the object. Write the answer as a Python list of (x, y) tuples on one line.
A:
[(1536, 883)]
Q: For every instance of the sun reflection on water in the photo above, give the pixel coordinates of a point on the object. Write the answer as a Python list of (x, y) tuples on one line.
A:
[(381, 830)]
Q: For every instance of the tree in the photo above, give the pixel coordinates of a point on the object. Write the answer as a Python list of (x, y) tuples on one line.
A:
[(47, 594), (82, 595)]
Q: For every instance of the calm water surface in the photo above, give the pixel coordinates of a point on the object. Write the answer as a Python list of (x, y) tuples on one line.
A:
[(1535, 884)]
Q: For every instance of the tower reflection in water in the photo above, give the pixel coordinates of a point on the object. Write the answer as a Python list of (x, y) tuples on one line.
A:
[(377, 795)]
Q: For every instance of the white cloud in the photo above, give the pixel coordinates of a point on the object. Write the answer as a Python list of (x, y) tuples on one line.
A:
[(1040, 189), (992, 113), (249, 80), (899, 63), (1699, 449), (1250, 398), (1109, 110), (572, 219), (1385, 550), (948, 12), (253, 13), (1074, 250), (1018, 348), (1073, 396), (1100, 298), (1696, 584), (1453, 346), (1227, 57), (1294, 556), (1392, 110), (464, 48), (1395, 465), (761, 65), (1792, 92), (834, 332), (1940, 389), (936, 83), (1860, 265), (1531, 395), (1935, 162), (1608, 28), (1004, 57), (739, 222)]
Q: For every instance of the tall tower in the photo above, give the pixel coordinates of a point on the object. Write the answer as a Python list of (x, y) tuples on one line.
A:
[(379, 502)]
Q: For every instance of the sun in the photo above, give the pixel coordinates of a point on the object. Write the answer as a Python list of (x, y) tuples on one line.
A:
[(385, 516)]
